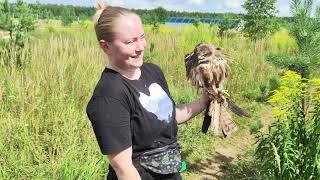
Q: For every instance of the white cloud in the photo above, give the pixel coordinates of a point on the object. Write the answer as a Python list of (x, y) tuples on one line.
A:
[(232, 4), (196, 2), (146, 4), (116, 2)]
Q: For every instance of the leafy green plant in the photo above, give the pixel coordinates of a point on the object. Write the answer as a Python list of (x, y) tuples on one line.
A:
[(260, 18), (160, 14), (156, 27), (266, 89), (225, 26), (19, 21), (255, 127), (197, 23), (290, 149), (68, 15), (84, 24), (305, 30)]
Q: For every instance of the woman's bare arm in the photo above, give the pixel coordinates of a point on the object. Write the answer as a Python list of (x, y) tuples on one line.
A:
[(122, 164), (185, 112)]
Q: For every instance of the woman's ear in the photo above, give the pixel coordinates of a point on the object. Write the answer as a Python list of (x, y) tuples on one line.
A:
[(104, 45)]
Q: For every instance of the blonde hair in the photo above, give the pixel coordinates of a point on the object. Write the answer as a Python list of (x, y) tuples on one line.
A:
[(104, 19)]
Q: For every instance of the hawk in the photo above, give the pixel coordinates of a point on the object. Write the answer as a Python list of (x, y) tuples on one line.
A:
[(207, 67)]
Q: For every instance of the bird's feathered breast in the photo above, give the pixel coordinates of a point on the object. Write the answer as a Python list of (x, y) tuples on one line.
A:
[(206, 66)]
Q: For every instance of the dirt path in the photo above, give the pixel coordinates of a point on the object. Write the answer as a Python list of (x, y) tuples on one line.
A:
[(229, 150)]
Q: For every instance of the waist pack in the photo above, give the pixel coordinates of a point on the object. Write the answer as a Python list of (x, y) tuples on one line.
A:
[(163, 160)]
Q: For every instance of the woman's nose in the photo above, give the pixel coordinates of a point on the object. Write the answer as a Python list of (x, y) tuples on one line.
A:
[(140, 45)]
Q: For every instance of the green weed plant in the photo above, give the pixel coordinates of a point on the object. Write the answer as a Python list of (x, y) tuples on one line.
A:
[(290, 150)]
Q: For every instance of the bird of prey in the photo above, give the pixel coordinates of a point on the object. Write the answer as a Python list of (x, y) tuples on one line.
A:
[(207, 67)]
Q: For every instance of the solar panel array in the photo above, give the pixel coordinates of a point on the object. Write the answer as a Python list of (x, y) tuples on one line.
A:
[(192, 20)]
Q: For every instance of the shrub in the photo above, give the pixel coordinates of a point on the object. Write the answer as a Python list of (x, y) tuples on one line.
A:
[(290, 149)]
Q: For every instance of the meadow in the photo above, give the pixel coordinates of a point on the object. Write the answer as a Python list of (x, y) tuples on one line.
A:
[(45, 132)]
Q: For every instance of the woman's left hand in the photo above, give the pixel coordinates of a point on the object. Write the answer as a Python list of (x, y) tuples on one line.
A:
[(184, 112)]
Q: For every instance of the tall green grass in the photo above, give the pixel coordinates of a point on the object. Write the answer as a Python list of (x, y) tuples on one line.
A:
[(45, 133)]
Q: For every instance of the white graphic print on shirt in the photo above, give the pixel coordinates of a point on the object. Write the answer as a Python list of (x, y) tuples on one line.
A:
[(158, 102)]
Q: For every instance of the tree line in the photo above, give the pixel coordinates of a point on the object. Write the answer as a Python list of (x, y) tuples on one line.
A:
[(69, 13), (159, 14)]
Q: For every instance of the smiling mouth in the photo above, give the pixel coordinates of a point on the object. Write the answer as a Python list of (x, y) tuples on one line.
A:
[(137, 56)]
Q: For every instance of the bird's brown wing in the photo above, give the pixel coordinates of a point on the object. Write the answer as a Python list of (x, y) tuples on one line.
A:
[(236, 109), (206, 119), (228, 126)]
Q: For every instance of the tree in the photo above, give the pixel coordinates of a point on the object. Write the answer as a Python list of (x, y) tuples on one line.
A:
[(226, 25), (305, 30), (161, 14), (68, 15), (146, 18), (260, 18), (19, 21)]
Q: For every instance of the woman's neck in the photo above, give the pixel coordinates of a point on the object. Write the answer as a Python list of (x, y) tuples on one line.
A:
[(129, 73)]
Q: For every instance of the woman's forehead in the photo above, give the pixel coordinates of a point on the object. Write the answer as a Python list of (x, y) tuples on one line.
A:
[(128, 26)]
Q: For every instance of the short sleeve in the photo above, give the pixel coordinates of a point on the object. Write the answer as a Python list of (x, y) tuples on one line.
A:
[(110, 120)]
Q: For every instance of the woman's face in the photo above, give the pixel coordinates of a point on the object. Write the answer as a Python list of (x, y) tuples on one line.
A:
[(126, 51)]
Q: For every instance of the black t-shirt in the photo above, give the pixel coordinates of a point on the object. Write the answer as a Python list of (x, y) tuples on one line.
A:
[(138, 113)]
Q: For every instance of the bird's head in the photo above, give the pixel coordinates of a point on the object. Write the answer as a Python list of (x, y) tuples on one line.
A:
[(202, 53)]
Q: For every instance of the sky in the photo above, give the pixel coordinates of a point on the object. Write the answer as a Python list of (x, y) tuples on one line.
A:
[(217, 6)]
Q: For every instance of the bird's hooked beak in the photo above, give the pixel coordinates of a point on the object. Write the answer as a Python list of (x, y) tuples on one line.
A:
[(202, 59)]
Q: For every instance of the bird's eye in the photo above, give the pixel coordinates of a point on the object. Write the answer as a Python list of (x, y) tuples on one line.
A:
[(208, 54)]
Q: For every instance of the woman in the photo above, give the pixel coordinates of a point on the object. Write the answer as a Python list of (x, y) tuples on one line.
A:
[(131, 110)]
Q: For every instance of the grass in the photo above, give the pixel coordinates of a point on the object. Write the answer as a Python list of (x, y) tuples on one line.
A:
[(45, 132)]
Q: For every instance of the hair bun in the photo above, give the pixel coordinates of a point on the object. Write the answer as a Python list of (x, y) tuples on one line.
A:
[(100, 7)]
